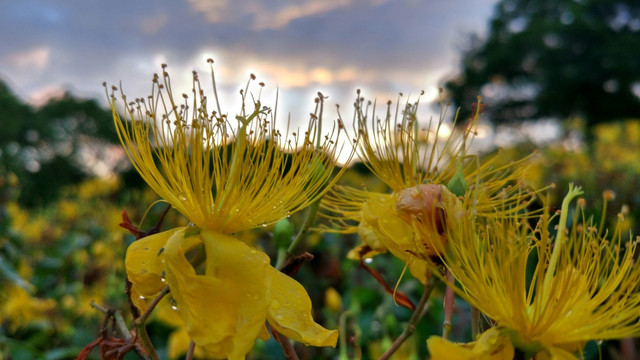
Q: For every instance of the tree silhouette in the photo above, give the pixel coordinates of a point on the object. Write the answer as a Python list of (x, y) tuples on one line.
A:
[(555, 59), (42, 146)]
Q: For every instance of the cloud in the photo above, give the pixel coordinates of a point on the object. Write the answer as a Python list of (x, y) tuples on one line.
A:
[(282, 17), (36, 58), (271, 14), (150, 25)]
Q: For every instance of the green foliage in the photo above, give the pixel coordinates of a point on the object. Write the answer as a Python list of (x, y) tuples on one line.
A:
[(46, 147), (555, 59)]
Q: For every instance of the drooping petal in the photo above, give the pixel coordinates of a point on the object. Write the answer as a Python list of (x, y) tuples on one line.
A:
[(441, 348), (145, 262), (491, 345), (224, 309), (290, 312)]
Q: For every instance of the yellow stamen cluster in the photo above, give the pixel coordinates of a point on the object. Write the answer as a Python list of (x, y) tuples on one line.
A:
[(221, 173), (584, 286), (418, 165)]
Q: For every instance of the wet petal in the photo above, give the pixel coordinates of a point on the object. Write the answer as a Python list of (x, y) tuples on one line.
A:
[(144, 262), (224, 309), (290, 312)]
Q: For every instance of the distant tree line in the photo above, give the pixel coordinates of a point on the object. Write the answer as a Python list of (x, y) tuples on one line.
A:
[(42, 146), (554, 59)]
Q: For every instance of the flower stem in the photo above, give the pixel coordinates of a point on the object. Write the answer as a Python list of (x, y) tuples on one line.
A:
[(448, 306), (558, 244), (287, 348), (308, 221), (342, 325), (475, 322), (190, 350), (418, 313), (143, 318), (142, 330)]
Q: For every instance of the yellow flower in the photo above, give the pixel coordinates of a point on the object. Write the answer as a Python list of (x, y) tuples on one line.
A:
[(19, 309), (423, 171), (584, 286), (224, 176)]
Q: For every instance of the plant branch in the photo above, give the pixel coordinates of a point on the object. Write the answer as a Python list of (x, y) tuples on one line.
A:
[(284, 342), (143, 318), (418, 313)]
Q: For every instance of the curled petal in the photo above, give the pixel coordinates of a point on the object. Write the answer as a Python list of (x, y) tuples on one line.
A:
[(290, 312)]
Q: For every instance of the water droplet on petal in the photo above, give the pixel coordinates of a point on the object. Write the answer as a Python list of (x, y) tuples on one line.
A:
[(141, 297)]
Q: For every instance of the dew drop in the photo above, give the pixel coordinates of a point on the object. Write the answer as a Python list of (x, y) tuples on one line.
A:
[(264, 225), (368, 260), (141, 297), (174, 307)]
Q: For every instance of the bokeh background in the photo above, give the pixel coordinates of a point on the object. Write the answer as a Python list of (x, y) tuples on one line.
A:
[(559, 77)]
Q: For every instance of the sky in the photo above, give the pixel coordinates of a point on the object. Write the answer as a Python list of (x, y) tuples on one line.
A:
[(297, 47)]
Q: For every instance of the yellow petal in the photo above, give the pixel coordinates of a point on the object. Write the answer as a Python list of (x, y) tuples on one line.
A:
[(392, 232), (144, 262), (440, 348), (555, 353), (224, 309), (369, 236), (139, 300), (491, 345), (290, 312)]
